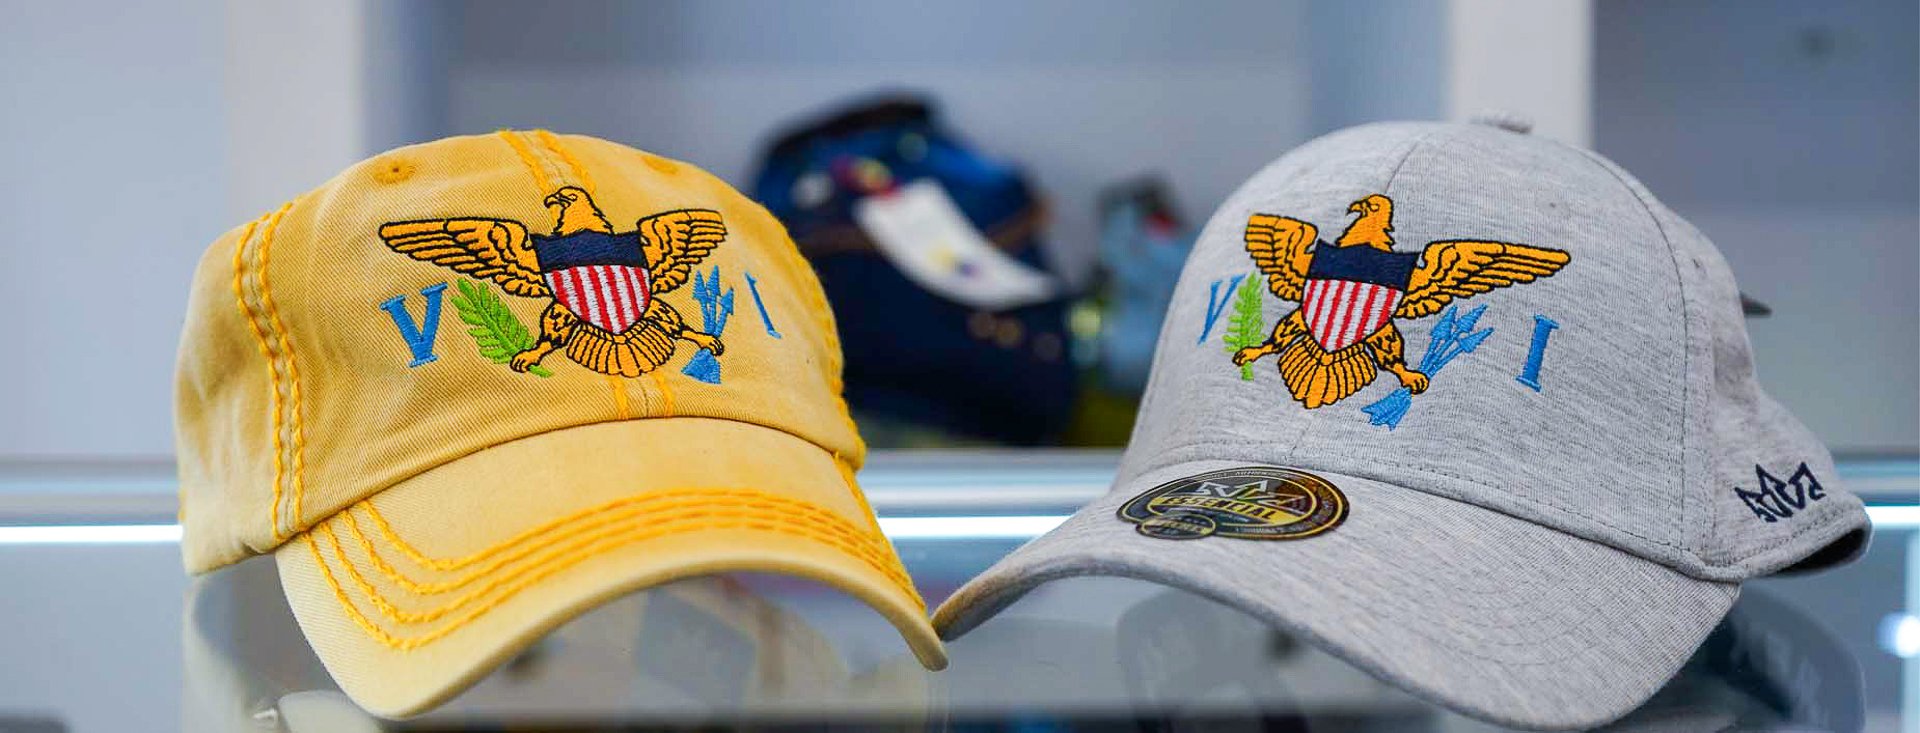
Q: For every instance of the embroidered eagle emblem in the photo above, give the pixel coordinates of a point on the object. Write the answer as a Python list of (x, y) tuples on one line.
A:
[(606, 312), (1351, 291)]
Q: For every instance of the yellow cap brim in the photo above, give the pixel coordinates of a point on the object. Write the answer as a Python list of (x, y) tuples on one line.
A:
[(414, 594)]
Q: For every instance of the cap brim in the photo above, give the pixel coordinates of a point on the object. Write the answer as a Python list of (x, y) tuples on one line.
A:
[(1494, 616), (416, 593)]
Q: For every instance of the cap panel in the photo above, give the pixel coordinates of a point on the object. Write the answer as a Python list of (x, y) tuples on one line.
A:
[(788, 381), (1772, 496), (1193, 378), (224, 401), (391, 362), (372, 411), (1596, 451)]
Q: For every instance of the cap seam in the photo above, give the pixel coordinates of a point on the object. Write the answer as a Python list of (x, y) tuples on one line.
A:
[(296, 415), (800, 269), (529, 158), (1686, 359), (276, 345), (1386, 188), (616, 386), (240, 270)]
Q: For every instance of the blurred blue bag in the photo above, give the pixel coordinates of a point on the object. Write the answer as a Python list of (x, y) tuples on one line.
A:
[(915, 357)]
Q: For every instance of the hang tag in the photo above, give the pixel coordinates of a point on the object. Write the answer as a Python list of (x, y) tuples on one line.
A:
[(920, 230)]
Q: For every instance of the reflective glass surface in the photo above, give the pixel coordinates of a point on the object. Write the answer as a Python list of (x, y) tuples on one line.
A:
[(111, 636)]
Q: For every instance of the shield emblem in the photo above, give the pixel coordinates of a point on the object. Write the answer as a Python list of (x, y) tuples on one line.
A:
[(609, 296), (1351, 292), (601, 277)]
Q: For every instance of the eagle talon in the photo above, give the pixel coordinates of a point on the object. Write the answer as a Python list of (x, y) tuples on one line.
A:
[(706, 341), (1246, 356), (523, 361), (1415, 382)]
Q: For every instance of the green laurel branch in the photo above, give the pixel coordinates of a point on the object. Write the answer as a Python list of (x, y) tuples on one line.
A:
[(493, 327), (1245, 328)]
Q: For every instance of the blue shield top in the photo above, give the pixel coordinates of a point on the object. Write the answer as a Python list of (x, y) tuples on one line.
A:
[(580, 249), (1360, 263)]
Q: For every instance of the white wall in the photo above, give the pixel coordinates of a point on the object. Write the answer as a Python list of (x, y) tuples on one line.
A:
[(139, 132), (112, 179), (1533, 58), (1789, 132), (1083, 92)]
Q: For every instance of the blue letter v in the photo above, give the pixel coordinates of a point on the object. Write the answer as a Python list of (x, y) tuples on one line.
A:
[(1217, 304), (419, 338)]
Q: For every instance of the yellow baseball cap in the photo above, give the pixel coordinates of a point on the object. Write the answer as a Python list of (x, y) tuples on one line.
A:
[(469, 389)]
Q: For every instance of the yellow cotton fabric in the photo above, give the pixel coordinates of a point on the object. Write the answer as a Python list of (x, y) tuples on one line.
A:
[(302, 428)]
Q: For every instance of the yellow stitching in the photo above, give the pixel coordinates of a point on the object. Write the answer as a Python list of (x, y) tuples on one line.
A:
[(619, 397), (553, 144), (386, 529), (581, 547), (405, 644), (266, 352), (805, 512), (801, 271), (296, 412), (511, 585), (846, 476), (666, 393), (817, 520), (526, 156)]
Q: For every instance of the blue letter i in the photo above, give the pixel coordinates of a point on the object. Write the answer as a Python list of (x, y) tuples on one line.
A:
[(1542, 327), (419, 338)]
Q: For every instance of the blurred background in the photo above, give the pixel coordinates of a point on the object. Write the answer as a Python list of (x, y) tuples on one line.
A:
[(1084, 141)]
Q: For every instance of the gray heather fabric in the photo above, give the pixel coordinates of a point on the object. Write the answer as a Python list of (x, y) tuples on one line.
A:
[(1537, 558)]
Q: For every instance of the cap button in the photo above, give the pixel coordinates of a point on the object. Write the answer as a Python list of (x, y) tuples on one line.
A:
[(1509, 121)]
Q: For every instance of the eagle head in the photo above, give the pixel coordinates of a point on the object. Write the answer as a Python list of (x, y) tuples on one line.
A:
[(574, 211), (1374, 228)]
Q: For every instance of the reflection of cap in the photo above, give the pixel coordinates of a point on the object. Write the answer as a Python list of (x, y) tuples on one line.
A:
[(471, 388), (694, 650), (1471, 409), (1767, 667)]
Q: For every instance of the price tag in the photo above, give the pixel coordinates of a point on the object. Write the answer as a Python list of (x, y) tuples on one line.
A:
[(920, 230)]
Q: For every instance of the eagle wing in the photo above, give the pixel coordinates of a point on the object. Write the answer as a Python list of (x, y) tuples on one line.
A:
[(1462, 269), (1279, 248), (675, 241), (487, 248)]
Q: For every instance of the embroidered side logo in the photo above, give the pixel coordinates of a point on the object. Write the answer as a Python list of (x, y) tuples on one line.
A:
[(753, 286), (1243, 330), (605, 311), (1776, 500), (715, 308), (495, 330), (1257, 503), (1452, 336), (419, 337), (1350, 292)]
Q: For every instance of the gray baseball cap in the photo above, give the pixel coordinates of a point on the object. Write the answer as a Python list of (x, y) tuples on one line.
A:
[(1468, 408)]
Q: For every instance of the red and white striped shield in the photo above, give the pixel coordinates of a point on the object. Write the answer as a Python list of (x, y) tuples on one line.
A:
[(1341, 312), (609, 296)]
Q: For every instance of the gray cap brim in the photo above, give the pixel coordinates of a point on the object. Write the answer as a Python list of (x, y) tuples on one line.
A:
[(1494, 616)]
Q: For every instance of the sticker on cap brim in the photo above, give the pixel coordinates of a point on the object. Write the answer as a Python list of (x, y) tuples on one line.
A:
[(1256, 503)]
